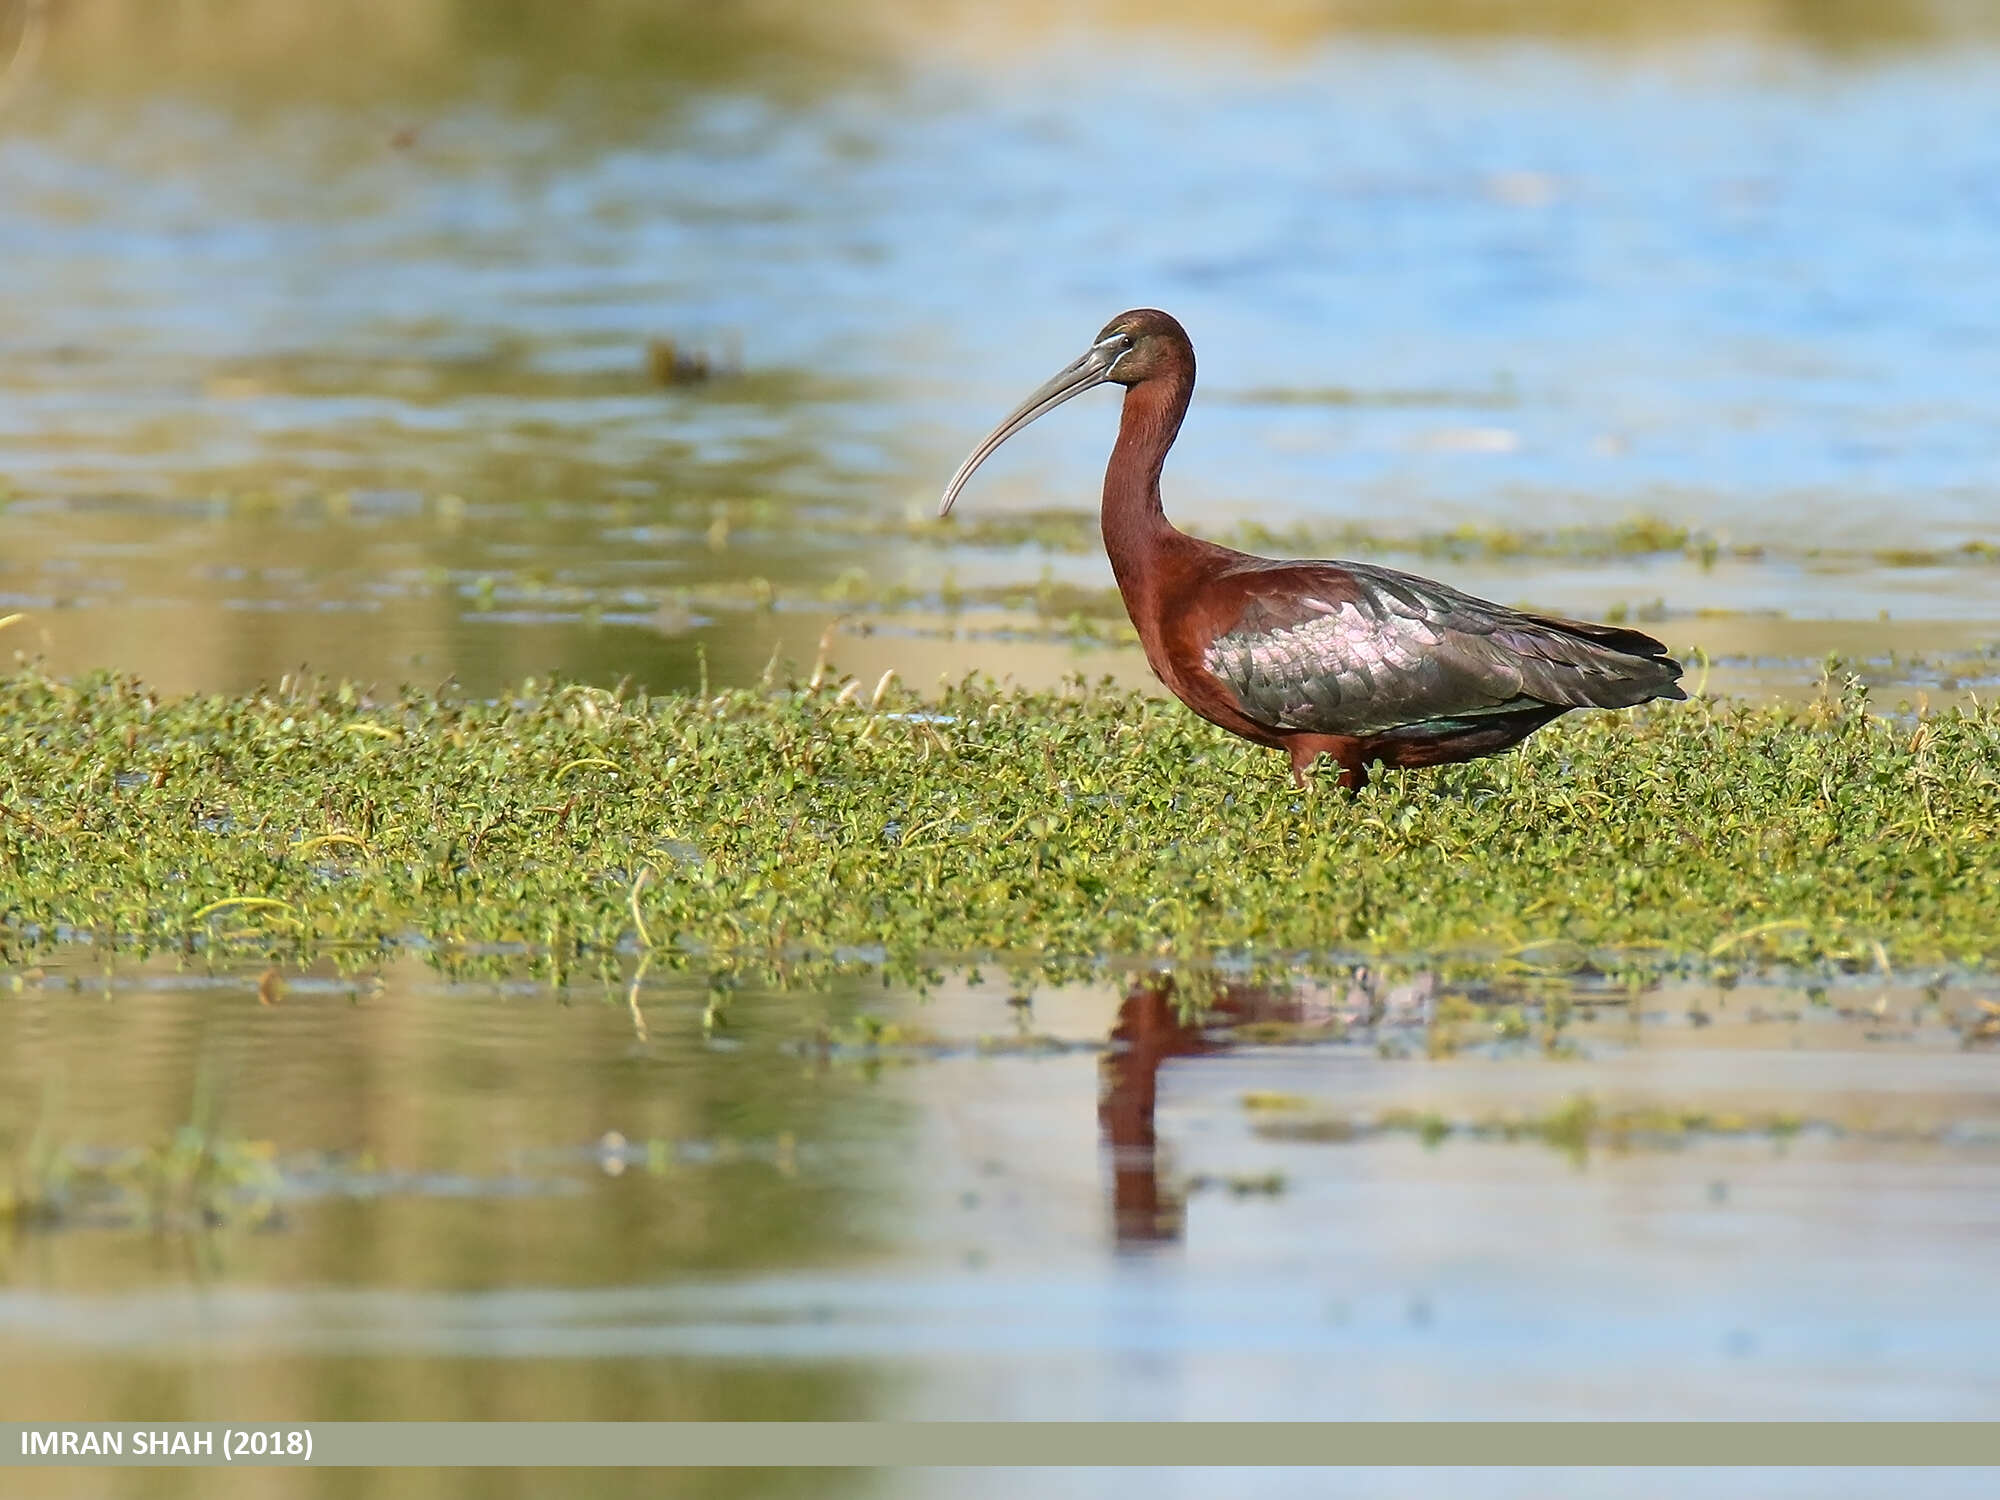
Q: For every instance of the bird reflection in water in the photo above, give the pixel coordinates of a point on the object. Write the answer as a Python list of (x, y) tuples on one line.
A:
[(1156, 1022), (1152, 1027)]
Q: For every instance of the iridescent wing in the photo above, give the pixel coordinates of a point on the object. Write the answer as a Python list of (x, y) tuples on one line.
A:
[(1348, 649)]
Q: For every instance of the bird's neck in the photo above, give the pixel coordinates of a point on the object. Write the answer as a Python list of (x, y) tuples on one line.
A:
[(1136, 529)]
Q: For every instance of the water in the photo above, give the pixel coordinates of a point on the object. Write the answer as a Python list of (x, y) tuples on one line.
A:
[(505, 1201), (362, 385), (485, 345)]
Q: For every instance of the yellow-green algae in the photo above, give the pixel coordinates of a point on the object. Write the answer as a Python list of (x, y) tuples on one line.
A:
[(831, 823), (1573, 1126)]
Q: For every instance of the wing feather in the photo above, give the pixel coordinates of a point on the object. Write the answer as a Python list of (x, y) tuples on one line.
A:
[(1349, 649)]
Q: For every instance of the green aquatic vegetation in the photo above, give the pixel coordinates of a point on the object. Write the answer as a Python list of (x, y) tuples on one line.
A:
[(1077, 531), (755, 523), (1973, 552), (1574, 1127), (791, 829), (191, 1179), (1241, 1184), (1289, 1033)]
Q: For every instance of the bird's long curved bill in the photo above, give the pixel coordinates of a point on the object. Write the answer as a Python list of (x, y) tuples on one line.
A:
[(1094, 368)]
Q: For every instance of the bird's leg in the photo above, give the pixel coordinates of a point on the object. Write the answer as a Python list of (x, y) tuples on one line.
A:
[(1306, 749), (1303, 753)]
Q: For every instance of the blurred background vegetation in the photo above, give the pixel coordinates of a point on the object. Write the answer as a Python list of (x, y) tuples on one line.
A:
[(409, 50), (586, 336)]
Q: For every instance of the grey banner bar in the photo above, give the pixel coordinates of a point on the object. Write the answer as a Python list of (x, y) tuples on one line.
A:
[(995, 1444)]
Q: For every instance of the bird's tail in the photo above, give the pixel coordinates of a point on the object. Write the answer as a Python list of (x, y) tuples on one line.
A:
[(1629, 666)]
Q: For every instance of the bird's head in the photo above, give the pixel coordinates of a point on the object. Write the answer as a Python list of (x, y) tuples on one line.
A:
[(1133, 347)]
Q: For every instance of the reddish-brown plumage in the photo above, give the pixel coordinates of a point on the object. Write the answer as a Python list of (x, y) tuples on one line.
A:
[(1151, 1029), (1361, 663)]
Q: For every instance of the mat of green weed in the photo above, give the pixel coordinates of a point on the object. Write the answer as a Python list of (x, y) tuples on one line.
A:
[(832, 823)]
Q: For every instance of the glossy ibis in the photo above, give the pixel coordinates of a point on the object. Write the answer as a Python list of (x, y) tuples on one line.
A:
[(1362, 663), (1151, 1028)]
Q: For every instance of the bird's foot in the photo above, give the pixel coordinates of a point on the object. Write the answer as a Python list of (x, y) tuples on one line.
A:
[(1353, 773)]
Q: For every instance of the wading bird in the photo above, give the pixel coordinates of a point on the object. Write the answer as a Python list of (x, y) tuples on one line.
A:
[(1361, 663)]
